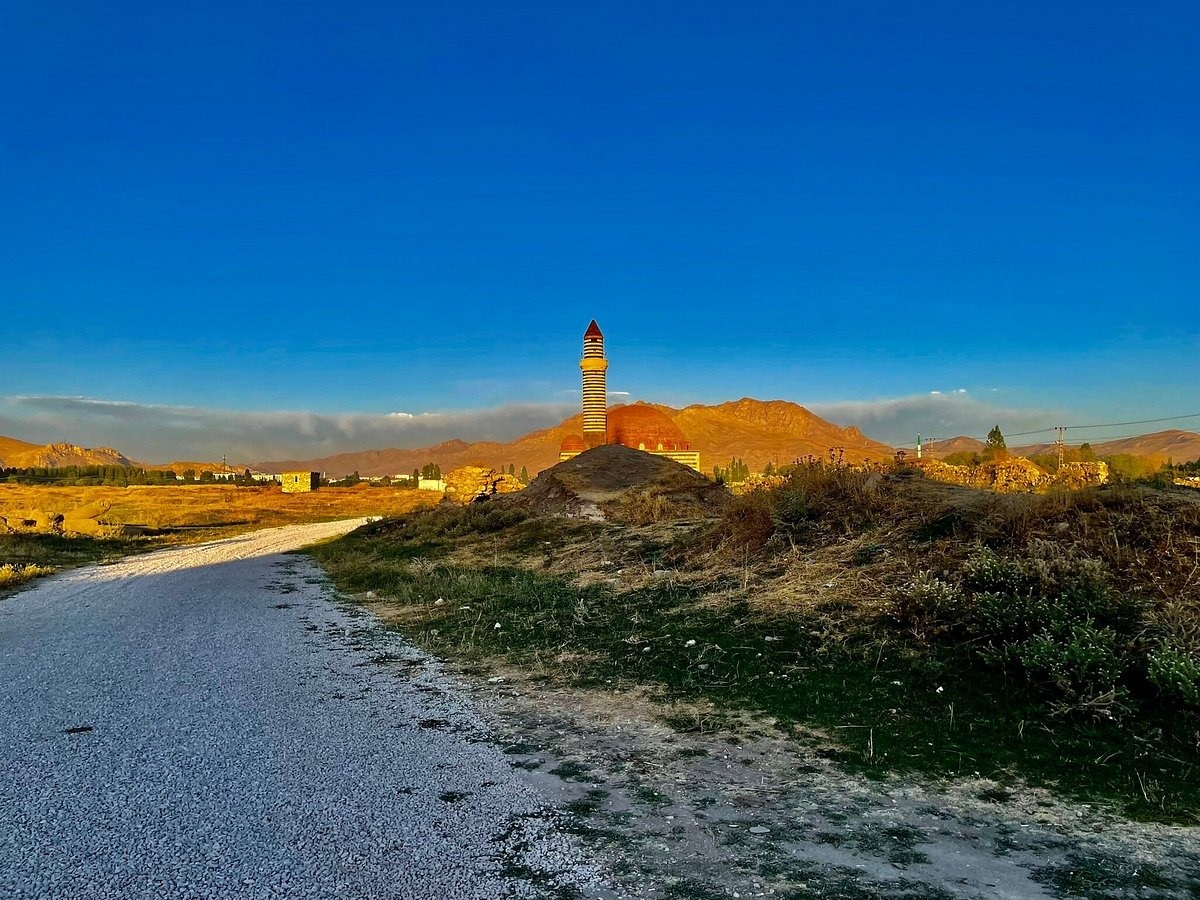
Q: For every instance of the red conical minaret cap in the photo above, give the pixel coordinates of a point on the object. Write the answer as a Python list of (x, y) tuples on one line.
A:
[(593, 330)]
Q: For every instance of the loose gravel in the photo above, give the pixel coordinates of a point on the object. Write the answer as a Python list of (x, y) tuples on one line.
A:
[(208, 722)]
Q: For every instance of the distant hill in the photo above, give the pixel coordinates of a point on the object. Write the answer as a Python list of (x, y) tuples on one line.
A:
[(11, 447), (16, 454), (960, 444), (758, 431), (179, 467), (1176, 445)]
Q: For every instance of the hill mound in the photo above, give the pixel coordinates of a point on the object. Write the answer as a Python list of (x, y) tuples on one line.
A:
[(617, 483)]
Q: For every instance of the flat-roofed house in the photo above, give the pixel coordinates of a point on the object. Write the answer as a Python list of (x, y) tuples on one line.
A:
[(300, 482)]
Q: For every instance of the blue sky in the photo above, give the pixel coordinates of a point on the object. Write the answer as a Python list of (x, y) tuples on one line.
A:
[(225, 213)]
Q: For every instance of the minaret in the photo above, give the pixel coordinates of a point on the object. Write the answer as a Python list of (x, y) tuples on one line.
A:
[(595, 387)]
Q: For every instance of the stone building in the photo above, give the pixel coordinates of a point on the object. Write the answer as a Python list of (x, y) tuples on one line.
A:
[(300, 482), (639, 426)]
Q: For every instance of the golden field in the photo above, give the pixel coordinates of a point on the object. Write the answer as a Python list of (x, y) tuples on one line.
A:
[(200, 506)]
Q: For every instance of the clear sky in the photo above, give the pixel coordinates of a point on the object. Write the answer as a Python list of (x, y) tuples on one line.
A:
[(264, 227)]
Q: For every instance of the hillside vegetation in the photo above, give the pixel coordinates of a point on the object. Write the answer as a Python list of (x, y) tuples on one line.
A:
[(903, 624)]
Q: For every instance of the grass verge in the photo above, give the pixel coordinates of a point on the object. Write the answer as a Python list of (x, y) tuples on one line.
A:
[(24, 557), (736, 623)]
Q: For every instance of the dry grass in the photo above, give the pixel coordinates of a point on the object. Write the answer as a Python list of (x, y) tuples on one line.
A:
[(850, 599), (13, 575), (86, 525), (195, 506)]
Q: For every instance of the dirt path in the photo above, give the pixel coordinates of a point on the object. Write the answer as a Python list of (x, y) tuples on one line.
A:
[(754, 813), (207, 722)]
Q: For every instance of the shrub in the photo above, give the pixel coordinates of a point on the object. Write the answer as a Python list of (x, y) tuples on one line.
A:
[(1048, 616), (791, 511), (1080, 662), (1175, 673), (932, 607)]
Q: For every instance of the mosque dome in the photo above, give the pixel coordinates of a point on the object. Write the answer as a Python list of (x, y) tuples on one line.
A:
[(643, 427), (572, 443)]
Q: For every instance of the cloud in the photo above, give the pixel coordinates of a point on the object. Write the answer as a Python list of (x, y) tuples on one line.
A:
[(154, 433), (936, 415)]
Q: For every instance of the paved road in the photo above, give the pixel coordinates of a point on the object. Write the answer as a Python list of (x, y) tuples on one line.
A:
[(207, 722)]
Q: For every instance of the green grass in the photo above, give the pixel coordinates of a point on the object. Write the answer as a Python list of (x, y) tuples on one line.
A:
[(32, 555), (890, 703)]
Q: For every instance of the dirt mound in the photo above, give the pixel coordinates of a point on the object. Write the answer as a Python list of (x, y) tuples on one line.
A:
[(615, 482)]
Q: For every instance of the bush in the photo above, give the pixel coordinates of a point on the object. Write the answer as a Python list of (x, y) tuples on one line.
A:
[(815, 499), (932, 607), (1175, 673), (1080, 662), (1048, 616)]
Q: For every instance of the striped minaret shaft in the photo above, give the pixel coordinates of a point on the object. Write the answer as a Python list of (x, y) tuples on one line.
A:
[(595, 387)]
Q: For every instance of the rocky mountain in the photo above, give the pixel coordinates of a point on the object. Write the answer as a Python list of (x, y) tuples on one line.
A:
[(775, 431), (757, 431), (16, 454)]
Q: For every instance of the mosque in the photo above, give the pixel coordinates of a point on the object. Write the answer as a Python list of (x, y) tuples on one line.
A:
[(638, 425)]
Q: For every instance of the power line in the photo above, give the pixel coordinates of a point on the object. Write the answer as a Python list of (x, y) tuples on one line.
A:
[(1139, 422), (932, 442)]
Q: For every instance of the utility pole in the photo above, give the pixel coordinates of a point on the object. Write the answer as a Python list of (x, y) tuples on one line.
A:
[(1062, 435)]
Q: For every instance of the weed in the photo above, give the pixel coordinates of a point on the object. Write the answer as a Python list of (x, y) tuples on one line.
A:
[(11, 576), (1100, 876)]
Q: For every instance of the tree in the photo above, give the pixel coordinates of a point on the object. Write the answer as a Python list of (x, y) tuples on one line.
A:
[(524, 476), (735, 473), (1086, 453), (995, 448)]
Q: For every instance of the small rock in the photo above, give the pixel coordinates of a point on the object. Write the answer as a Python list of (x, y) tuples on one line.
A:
[(760, 829)]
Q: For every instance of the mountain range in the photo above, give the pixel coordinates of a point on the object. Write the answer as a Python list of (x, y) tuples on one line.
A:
[(1173, 444), (757, 431)]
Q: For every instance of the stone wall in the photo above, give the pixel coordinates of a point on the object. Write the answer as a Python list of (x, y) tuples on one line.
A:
[(469, 482), (1015, 474)]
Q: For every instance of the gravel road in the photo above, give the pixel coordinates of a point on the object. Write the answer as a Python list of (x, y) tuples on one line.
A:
[(207, 722)]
